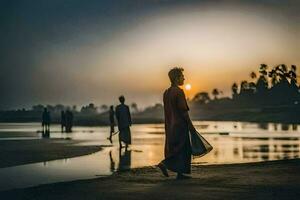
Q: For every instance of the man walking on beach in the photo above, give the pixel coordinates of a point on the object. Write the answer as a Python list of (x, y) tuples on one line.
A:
[(177, 127), (124, 122)]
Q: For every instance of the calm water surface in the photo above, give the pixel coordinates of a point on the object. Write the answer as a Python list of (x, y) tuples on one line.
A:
[(233, 142)]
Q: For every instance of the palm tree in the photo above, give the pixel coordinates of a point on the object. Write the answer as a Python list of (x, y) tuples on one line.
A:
[(134, 107), (274, 77), (215, 93), (279, 74), (104, 107), (244, 85), (263, 69), (234, 89), (201, 97), (253, 75), (252, 84), (282, 72), (293, 75), (74, 108), (262, 82)]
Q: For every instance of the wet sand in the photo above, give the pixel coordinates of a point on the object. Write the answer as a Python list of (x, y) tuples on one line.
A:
[(17, 134), (266, 180), (18, 152)]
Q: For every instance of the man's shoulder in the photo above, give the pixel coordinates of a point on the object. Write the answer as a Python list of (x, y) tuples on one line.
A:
[(120, 106), (173, 90)]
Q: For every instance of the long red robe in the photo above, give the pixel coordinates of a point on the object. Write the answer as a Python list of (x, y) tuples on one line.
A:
[(177, 144)]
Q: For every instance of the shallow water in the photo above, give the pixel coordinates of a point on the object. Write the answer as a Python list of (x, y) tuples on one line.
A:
[(233, 142)]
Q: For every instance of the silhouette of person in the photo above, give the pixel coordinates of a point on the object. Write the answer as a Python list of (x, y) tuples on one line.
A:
[(177, 127), (63, 121), (124, 122), (112, 122), (124, 160), (46, 121), (69, 121)]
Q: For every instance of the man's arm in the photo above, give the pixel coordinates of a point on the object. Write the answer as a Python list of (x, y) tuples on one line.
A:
[(184, 109)]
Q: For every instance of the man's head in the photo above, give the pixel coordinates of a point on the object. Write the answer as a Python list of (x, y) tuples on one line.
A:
[(176, 76), (122, 99), (111, 107)]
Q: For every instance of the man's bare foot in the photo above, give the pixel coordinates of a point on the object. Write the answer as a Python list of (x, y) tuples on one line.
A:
[(163, 169)]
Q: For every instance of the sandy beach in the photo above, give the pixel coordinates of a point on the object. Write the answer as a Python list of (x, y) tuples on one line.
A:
[(265, 180), (18, 152)]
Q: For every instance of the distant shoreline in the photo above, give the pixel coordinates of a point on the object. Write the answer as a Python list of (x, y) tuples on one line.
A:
[(209, 112), (161, 121)]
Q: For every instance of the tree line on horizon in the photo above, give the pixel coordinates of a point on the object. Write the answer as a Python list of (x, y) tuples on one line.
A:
[(90, 108), (270, 86)]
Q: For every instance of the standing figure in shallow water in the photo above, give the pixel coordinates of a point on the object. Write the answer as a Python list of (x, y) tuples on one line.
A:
[(63, 121), (124, 122), (177, 127), (69, 121), (112, 122), (46, 121)]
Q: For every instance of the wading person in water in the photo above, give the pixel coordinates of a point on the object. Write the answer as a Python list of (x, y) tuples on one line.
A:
[(112, 122), (177, 127), (124, 122), (46, 121), (63, 121)]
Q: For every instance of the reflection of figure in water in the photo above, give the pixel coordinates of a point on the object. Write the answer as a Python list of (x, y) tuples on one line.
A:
[(112, 162), (124, 160), (124, 122), (63, 121), (69, 121), (177, 127), (112, 122), (46, 121)]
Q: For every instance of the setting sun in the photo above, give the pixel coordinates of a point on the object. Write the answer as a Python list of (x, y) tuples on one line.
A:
[(188, 86)]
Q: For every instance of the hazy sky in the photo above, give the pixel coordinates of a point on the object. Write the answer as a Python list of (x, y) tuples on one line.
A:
[(77, 52)]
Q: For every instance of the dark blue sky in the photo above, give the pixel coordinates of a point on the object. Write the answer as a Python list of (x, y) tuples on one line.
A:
[(42, 43)]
